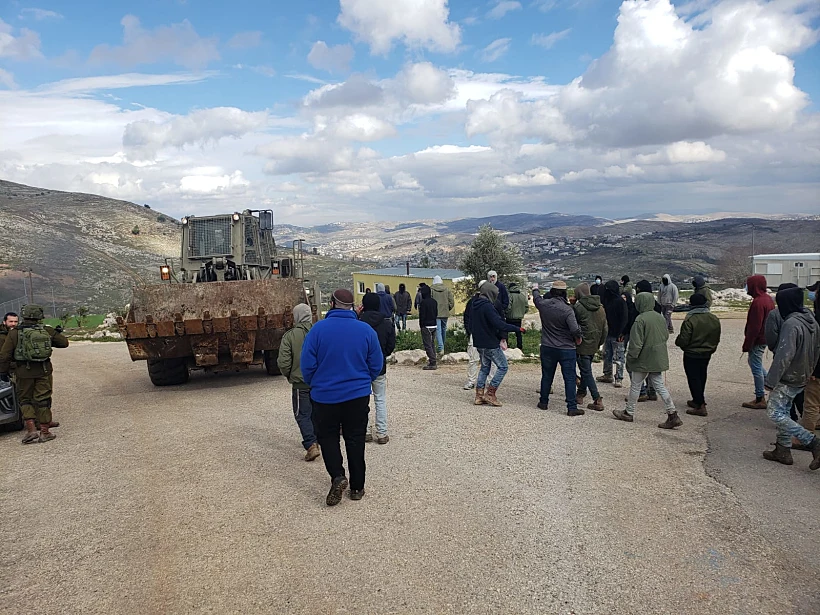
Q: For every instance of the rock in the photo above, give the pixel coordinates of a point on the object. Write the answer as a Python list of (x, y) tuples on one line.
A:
[(109, 322), (98, 334), (514, 354), (410, 357), (114, 335), (455, 357)]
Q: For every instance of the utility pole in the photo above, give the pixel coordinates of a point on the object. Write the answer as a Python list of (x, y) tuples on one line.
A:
[(753, 249), (53, 306), (30, 288)]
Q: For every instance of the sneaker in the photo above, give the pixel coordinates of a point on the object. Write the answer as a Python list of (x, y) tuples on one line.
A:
[(469, 386), (606, 379), (313, 452), (383, 439), (618, 384), (337, 488), (356, 494), (368, 437), (622, 415)]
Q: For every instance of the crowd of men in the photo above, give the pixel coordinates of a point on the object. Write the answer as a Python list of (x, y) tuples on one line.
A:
[(337, 363)]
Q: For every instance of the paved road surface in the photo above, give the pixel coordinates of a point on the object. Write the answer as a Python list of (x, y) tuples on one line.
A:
[(195, 499)]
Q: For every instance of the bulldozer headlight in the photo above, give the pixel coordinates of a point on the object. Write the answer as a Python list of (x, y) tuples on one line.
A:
[(165, 273), (184, 221), (236, 217)]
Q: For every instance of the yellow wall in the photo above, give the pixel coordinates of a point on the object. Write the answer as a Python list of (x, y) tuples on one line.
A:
[(393, 281)]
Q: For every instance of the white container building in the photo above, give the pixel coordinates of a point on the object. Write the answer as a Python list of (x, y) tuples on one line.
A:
[(801, 269)]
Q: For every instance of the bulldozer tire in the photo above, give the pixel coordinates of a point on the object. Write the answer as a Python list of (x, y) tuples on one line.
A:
[(271, 357), (168, 372)]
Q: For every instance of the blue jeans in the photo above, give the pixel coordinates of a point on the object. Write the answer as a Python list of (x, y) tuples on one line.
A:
[(759, 372), (614, 354), (380, 403), (490, 356), (303, 413), (587, 379), (401, 321), (779, 410), (550, 359), (441, 332)]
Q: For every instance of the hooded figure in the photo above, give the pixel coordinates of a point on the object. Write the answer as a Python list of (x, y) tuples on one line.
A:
[(668, 293), (591, 318), (519, 304), (289, 363), (386, 305), (762, 304), (774, 321), (444, 298), (616, 310), (645, 286), (384, 329), (647, 351), (403, 301), (626, 285), (701, 288), (796, 357), (598, 287), (699, 338)]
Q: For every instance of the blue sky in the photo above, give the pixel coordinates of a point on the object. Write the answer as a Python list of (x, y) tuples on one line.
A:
[(361, 109)]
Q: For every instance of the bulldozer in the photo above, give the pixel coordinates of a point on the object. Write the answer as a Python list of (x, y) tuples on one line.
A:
[(224, 306)]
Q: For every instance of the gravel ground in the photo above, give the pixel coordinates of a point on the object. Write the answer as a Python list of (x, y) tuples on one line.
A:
[(195, 499)]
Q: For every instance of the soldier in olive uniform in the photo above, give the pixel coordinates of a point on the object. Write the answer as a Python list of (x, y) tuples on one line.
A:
[(29, 346)]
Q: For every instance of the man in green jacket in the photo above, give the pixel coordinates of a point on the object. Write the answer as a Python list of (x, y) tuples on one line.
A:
[(702, 288), (591, 317), (519, 306), (698, 338), (646, 359), (290, 351), (445, 302)]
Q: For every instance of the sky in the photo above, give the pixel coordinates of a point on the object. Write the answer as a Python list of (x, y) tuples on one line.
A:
[(360, 110)]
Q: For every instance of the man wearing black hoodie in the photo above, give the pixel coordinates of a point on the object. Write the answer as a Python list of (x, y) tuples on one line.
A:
[(616, 319), (428, 315), (386, 332), (798, 350)]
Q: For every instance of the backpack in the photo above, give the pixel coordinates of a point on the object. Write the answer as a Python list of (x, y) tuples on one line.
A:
[(33, 345)]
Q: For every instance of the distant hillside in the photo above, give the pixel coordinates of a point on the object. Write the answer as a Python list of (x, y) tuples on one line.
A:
[(83, 248), (521, 222), (80, 246)]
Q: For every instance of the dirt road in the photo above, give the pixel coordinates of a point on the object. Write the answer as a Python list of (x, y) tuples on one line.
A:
[(195, 499)]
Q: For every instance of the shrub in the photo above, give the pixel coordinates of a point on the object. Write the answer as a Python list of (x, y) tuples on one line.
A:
[(135, 230), (161, 218)]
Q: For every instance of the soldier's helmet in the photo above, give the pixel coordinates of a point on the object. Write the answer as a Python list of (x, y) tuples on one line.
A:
[(32, 312)]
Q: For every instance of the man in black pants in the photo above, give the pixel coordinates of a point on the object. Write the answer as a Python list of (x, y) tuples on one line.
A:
[(698, 338), (341, 357), (428, 312)]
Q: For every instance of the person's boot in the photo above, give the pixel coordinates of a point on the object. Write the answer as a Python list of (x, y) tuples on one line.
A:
[(479, 397), (622, 415), (313, 452), (368, 437), (579, 399), (597, 405), (337, 488), (429, 367), (758, 404), (780, 454), (652, 397), (31, 436), (643, 398), (576, 412), (605, 378), (815, 451), (672, 421), (697, 410), (490, 397), (45, 434)]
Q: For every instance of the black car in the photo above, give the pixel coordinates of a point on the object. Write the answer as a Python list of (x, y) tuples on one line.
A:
[(10, 415)]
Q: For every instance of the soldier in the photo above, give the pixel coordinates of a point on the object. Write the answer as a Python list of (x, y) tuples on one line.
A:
[(30, 346), (10, 321)]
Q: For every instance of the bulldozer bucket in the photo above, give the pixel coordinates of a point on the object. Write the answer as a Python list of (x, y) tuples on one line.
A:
[(211, 324)]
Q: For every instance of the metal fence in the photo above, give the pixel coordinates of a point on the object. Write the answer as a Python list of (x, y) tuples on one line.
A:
[(12, 305)]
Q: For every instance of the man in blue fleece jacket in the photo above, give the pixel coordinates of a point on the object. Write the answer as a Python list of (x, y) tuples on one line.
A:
[(341, 357)]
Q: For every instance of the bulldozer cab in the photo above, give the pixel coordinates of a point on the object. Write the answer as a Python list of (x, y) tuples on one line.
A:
[(225, 248)]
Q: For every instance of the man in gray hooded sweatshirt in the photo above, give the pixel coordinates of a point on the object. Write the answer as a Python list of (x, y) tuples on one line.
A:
[(798, 350), (668, 298), (290, 351)]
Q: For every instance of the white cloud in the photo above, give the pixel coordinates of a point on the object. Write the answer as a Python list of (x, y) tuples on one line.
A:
[(245, 40), (423, 83), (683, 152), (116, 82), (416, 23), (361, 127), (143, 139), (496, 49), (24, 46), (179, 43), (335, 58), (7, 79), (502, 8), (611, 172), (208, 184), (666, 80), (405, 181), (547, 41), (545, 6), (540, 176), (39, 14)]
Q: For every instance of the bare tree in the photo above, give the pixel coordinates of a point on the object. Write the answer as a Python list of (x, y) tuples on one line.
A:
[(734, 266)]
